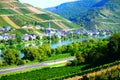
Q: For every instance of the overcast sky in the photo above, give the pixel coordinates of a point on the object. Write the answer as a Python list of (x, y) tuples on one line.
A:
[(45, 3)]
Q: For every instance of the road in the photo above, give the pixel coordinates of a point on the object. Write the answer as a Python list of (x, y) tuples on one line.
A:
[(42, 64)]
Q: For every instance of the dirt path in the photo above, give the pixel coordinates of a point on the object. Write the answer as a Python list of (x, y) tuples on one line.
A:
[(61, 25), (95, 73), (7, 19)]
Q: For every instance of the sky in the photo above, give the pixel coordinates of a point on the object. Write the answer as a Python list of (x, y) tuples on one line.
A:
[(45, 3)]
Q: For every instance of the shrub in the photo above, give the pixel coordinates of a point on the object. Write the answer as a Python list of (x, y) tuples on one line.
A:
[(1, 63)]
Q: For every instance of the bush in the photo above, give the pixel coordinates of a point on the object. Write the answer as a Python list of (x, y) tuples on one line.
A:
[(1, 63), (11, 56), (20, 62)]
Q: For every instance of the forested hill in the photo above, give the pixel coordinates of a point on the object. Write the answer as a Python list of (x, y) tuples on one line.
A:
[(24, 18), (73, 9), (100, 14)]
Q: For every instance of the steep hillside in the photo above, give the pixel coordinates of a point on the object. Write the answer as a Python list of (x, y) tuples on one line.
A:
[(103, 14), (24, 18), (70, 10)]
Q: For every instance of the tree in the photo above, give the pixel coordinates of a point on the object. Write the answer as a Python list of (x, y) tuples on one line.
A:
[(80, 58), (60, 50), (114, 46), (70, 49), (46, 48), (3, 41), (38, 37), (1, 63), (11, 41), (30, 39), (30, 53), (11, 56), (18, 38), (33, 53)]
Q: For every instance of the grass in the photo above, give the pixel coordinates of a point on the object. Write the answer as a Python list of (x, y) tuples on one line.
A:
[(43, 24), (53, 25), (24, 11), (57, 65), (44, 73), (19, 31), (70, 25), (55, 73), (43, 16), (21, 20), (6, 11), (2, 46), (3, 22), (59, 56), (3, 5), (8, 66)]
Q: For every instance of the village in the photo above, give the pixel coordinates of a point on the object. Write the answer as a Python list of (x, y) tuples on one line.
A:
[(48, 32)]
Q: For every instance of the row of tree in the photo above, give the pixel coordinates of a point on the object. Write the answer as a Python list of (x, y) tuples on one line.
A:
[(97, 52), (12, 56)]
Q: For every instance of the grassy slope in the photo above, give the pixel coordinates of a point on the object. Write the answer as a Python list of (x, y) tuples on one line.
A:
[(22, 14), (3, 22), (105, 16), (7, 19)]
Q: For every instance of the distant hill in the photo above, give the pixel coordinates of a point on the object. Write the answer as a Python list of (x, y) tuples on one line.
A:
[(100, 14), (70, 10), (24, 18)]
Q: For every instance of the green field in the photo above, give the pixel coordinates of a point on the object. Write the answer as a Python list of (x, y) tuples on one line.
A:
[(43, 74), (3, 23), (43, 16), (4, 5), (21, 20), (19, 31), (70, 25), (24, 10), (59, 56), (6, 11)]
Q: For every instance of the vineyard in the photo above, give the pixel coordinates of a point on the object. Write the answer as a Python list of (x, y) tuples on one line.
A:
[(55, 73), (68, 24), (21, 20), (43, 16), (19, 31), (6, 11), (24, 10), (22, 14), (2, 22)]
